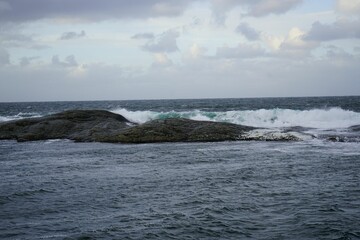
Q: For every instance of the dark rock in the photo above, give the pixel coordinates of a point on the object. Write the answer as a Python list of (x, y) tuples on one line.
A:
[(103, 126), (78, 125), (181, 130), (355, 128), (335, 139)]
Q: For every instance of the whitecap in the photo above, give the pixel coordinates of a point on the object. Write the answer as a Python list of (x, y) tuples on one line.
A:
[(333, 118)]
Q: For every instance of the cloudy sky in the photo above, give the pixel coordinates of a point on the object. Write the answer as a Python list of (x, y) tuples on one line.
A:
[(155, 49)]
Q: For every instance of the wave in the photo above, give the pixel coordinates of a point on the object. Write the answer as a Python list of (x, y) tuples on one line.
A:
[(275, 135), (332, 118), (18, 116)]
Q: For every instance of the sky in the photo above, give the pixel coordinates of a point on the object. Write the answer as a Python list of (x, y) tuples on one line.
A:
[(74, 50)]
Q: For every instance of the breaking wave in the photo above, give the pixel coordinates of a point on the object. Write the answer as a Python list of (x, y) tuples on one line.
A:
[(332, 118), (18, 116)]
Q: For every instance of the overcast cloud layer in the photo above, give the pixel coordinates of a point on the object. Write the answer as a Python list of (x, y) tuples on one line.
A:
[(153, 49)]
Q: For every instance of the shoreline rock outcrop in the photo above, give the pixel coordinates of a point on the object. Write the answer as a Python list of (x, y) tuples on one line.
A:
[(104, 126), (77, 125), (181, 130)]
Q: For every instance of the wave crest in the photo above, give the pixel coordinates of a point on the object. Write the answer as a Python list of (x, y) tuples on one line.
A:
[(18, 116), (332, 118)]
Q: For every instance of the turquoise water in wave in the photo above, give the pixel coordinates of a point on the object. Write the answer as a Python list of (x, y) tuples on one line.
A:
[(309, 189)]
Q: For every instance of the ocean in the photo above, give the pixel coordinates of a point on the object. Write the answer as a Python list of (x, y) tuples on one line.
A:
[(307, 189)]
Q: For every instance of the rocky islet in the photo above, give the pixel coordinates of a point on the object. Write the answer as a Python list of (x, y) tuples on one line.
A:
[(104, 126)]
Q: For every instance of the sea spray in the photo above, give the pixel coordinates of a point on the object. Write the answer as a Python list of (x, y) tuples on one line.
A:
[(331, 118), (20, 115)]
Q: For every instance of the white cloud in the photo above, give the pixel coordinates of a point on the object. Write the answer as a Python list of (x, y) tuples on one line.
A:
[(349, 6), (78, 71), (293, 45), (161, 60), (196, 51), (274, 42)]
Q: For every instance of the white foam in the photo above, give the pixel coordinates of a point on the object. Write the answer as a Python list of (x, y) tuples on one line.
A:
[(50, 141), (275, 135), (5, 119), (274, 118), (18, 116), (136, 116), (333, 118)]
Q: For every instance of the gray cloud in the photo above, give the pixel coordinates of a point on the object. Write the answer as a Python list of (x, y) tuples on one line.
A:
[(250, 33), (166, 42), (25, 61), (69, 61), (4, 57), (14, 37), (265, 7), (208, 78), (4, 6), (255, 8), (291, 50), (23, 10), (10, 38), (72, 35), (60, 85), (195, 22), (274, 77), (338, 54), (143, 36), (221, 7), (341, 29), (242, 51)]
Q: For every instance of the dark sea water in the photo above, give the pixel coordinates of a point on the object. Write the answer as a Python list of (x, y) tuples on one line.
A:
[(308, 189)]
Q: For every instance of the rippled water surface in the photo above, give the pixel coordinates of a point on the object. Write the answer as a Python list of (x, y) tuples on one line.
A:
[(238, 190)]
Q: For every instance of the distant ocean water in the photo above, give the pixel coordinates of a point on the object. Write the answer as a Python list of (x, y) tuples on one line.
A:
[(309, 189)]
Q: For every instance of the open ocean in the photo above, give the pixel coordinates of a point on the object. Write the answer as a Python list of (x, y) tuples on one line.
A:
[(308, 189)]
